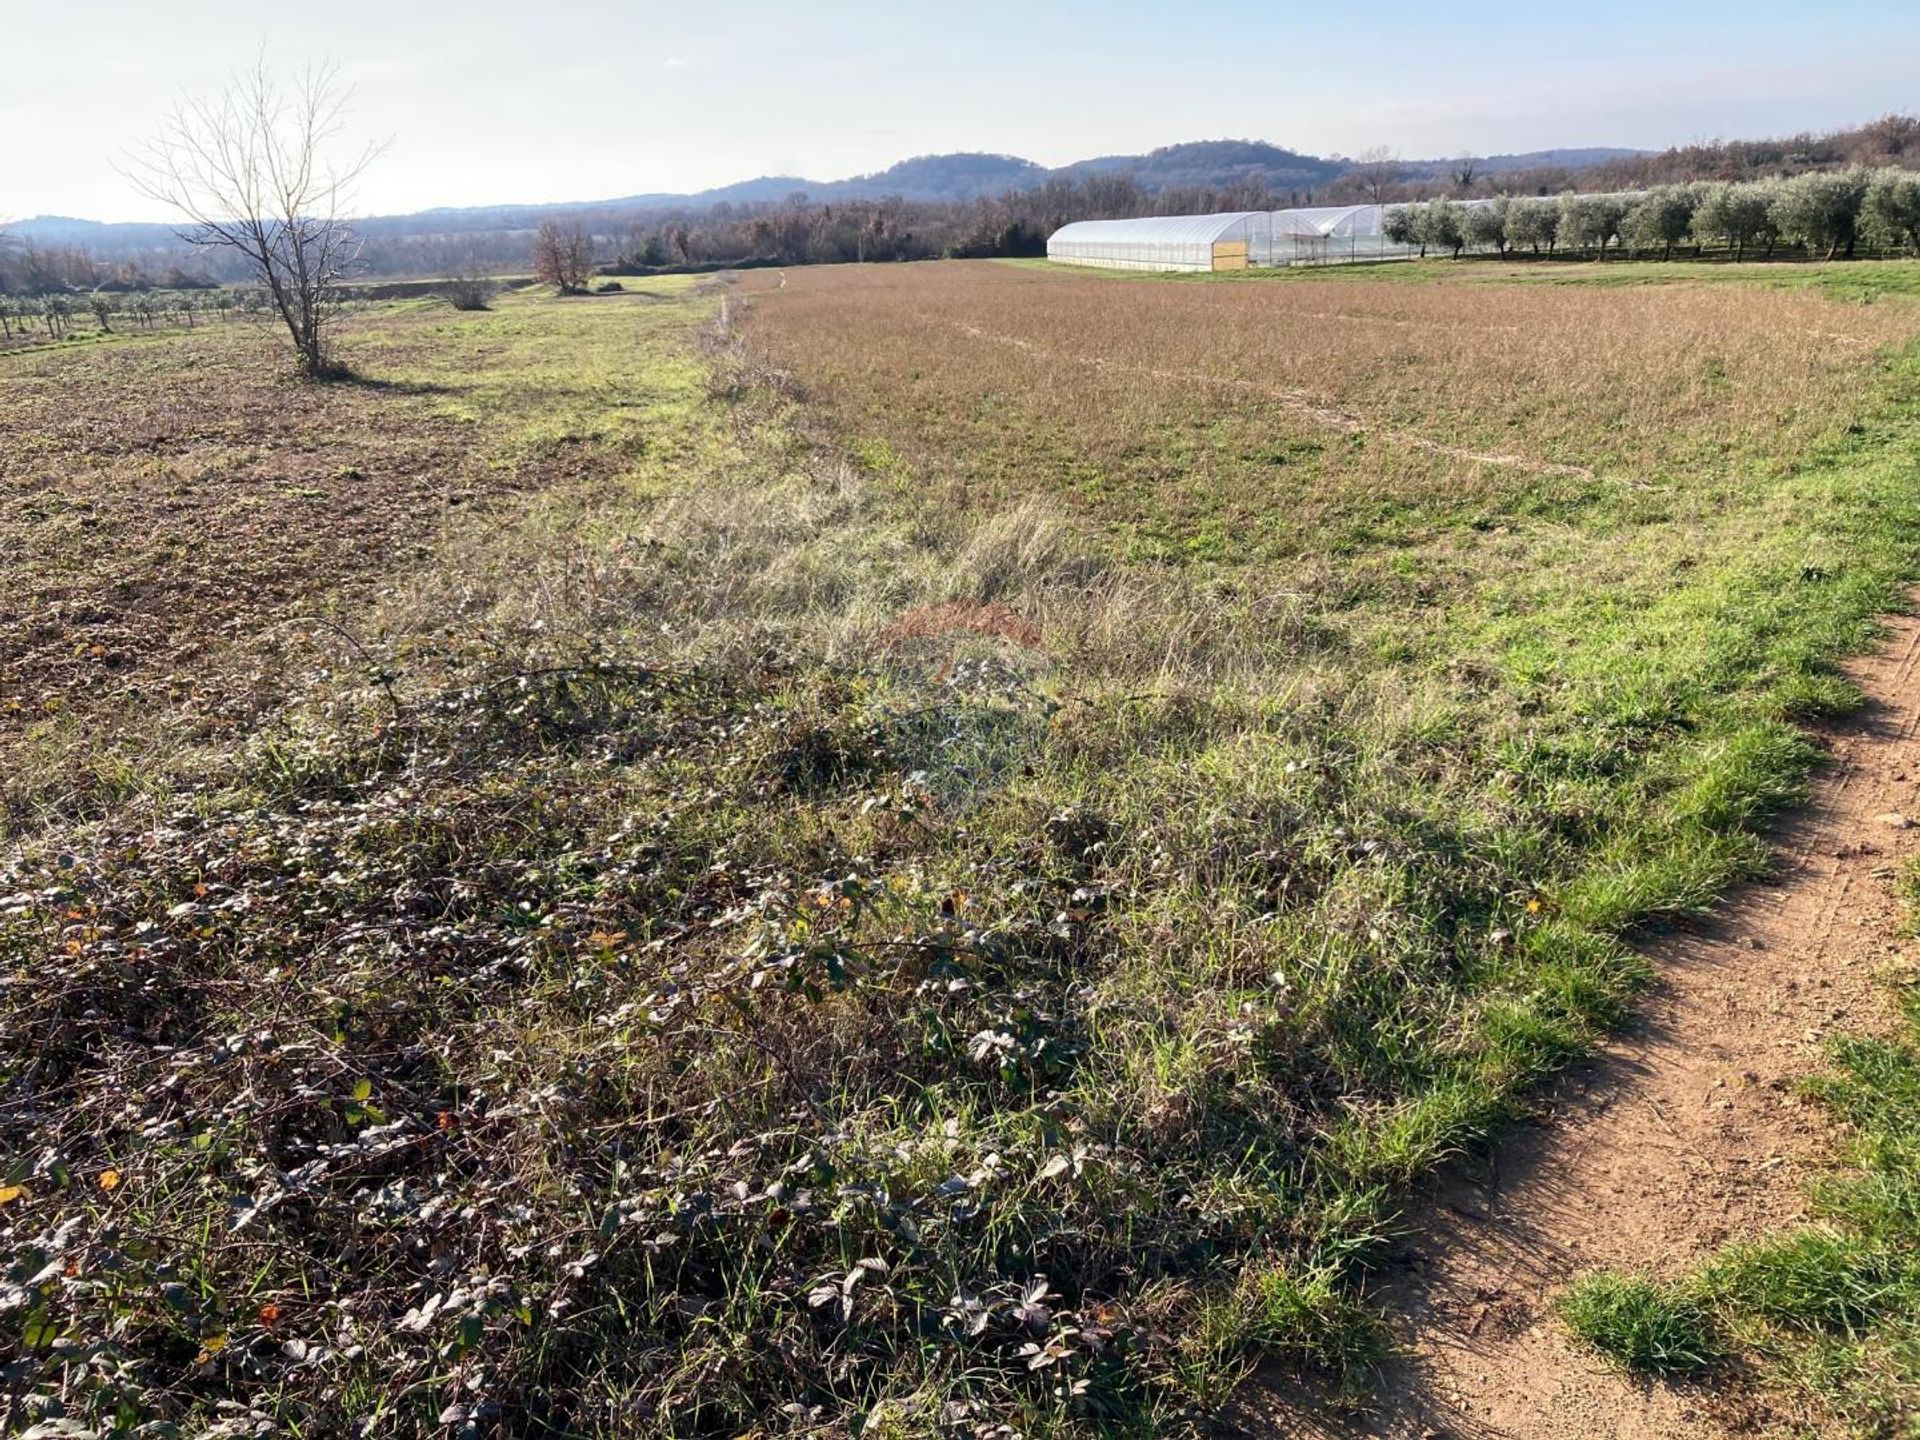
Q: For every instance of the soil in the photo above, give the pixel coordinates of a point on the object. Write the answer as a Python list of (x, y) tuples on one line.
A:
[(1681, 1135)]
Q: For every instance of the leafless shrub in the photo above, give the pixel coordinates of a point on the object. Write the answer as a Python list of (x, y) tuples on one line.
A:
[(471, 289)]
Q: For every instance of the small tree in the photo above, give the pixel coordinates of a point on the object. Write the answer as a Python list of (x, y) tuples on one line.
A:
[(1486, 225), (1591, 221), (1662, 217), (102, 313), (1533, 222), (250, 172), (1442, 227), (1822, 210), (1893, 207), (1401, 226), (562, 256)]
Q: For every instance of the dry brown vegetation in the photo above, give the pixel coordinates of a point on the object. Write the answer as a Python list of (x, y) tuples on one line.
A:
[(1252, 417), (165, 507)]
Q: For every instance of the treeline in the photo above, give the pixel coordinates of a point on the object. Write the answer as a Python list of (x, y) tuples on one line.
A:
[(798, 232), (1825, 214), (1892, 140), (30, 269)]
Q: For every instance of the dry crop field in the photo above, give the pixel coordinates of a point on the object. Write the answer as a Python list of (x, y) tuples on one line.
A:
[(883, 850), (1261, 420)]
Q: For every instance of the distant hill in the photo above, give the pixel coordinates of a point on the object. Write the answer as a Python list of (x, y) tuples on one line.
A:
[(931, 178), (925, 179), (1212, 165)]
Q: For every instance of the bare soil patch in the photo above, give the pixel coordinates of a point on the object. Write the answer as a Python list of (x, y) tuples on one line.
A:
[(161, 502)]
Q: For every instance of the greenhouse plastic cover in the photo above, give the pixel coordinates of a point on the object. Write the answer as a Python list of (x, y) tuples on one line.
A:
[(1332, 221), (1155, 229)]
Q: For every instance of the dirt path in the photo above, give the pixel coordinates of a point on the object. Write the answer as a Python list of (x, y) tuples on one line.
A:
[(1680, 1136)]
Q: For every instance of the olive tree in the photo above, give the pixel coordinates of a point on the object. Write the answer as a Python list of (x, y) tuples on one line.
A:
[(1401, 225), (1591, 221), (1533, 222), (1737, 215), (1822, 210), (1893, 207), (1486, 225), (1442, 227), (1662, 217), (254, 171)]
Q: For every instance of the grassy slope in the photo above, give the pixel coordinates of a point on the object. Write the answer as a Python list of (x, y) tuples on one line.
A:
[(646, 978)]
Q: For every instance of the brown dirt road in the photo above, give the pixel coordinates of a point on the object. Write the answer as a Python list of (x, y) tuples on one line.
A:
[(1681, 1135)]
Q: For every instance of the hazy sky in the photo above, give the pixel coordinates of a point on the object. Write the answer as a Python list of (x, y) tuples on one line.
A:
[(517, 100)]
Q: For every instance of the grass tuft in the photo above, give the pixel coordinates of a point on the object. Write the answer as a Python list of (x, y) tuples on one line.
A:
[(1642, 1325)]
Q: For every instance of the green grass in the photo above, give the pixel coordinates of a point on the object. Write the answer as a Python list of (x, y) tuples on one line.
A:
[(641, 982), (1645, 1327)]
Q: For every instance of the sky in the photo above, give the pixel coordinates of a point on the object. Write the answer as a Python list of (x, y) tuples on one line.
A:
[(496, 101)]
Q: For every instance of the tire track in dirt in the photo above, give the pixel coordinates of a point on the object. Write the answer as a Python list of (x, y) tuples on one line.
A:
[(1679, 1136), (1296, 401)]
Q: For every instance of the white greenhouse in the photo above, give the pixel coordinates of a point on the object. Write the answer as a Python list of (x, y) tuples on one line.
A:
[(1157, 242), (1321, 235)]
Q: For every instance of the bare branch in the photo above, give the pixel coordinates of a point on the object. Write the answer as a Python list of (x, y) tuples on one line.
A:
[(251, 171)]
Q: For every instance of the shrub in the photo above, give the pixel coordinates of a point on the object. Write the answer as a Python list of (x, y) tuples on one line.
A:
[(470, 289)]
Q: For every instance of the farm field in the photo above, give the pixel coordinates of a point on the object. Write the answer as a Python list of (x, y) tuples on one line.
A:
[(911, 849)]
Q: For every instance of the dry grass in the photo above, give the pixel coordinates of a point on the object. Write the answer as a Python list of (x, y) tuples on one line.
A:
[(1253, 418)]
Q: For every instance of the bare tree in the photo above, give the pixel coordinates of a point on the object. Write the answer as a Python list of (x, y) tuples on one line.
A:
[(1464, 172), (562, 256), (1377, 170), (249, 171)]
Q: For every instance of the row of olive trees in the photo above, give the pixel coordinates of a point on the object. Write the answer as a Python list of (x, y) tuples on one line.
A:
[(53, 316), (1825, 214)]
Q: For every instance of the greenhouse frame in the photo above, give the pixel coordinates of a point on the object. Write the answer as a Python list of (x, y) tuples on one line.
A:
[(1236, 240)]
